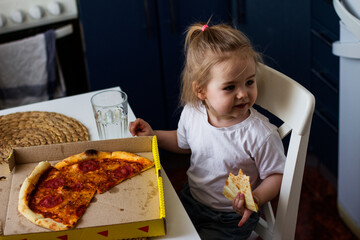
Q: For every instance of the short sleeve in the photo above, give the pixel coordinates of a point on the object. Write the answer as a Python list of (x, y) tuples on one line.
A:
[(270, 158), (182, 127)]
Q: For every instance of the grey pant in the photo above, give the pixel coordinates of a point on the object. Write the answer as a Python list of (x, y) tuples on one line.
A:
[(212, 224)]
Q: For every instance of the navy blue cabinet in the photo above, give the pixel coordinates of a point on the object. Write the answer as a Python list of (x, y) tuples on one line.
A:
[(138, 45), (324, 84), (122, 50), (280, 31)]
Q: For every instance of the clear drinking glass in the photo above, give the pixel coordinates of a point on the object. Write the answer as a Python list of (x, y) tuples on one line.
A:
[(111, 113)]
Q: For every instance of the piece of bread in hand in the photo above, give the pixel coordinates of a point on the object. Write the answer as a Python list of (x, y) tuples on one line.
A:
[(240, 183)]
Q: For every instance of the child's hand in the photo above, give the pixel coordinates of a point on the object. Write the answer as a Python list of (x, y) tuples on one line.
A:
[(238, 204), (140, 128)]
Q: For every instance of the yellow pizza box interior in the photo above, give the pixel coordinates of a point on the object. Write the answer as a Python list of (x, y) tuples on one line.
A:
[(132, 209)]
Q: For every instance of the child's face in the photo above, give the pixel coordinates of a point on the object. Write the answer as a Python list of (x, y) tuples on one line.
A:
[(231, 91)]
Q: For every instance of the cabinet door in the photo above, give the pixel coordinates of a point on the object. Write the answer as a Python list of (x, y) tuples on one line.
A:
[(121, 40), (280, 30), (174, 18), (324, 84)]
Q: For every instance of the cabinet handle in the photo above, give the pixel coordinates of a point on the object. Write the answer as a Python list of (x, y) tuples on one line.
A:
[(172, 16), (147, 18), (322, 36), (322, 78), (325, 120)]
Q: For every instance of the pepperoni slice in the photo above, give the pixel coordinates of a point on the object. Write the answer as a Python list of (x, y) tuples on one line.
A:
[(87, 166), (80, 210), (50, 201), (77, 187), (123, 172), (54, 183)]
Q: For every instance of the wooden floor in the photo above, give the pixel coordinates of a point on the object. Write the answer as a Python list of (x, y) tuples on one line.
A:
[(318, 217)]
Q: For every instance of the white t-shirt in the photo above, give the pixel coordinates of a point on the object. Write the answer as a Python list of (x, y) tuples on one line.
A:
[(253, 145)]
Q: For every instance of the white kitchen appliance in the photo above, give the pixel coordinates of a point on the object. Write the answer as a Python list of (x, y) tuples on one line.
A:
[(20, 19), (348, 49), (17, 15)]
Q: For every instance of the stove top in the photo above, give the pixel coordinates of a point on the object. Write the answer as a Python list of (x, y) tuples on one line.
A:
[(18, 15)]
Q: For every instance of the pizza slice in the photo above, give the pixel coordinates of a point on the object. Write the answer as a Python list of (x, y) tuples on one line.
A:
[(104, 169), (51, 200), (240, 183), (122, 166)]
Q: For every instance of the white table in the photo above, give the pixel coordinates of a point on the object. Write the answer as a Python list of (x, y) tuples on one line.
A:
[(178, 224)]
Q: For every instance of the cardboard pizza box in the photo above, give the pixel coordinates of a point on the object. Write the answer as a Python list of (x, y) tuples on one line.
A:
[(134, 208)]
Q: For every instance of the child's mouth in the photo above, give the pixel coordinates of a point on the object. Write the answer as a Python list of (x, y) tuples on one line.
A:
[(240, 106)]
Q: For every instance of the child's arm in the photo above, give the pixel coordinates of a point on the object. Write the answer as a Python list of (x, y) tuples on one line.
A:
[(268, 189), (166, 139)]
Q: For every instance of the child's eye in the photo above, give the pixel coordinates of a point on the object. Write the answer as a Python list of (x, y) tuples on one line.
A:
[(229, 88), (249, 82)]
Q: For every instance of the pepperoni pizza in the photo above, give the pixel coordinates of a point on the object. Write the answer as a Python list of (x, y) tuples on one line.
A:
[(55, 197)]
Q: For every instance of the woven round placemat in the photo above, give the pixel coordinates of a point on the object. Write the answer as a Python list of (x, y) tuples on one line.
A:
[(23, 129)]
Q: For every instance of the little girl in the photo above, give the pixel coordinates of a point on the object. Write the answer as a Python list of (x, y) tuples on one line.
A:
[(222, 131)]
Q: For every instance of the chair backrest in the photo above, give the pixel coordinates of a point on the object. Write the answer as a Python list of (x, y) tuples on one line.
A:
[(294, 105)]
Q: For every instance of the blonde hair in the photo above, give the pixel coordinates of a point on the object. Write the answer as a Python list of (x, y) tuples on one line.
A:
[(206, 47)]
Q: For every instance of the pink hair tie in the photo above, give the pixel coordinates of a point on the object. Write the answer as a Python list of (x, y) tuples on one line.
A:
[(204, 27)]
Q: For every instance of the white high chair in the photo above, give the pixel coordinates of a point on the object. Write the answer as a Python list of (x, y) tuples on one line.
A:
[(294, 105)]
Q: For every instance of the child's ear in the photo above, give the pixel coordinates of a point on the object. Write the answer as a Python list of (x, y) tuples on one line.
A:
[(199, 92)]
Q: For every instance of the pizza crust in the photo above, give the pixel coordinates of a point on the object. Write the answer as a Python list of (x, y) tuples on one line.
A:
[(26, 188), (29, 184), (132, 157), (93, 154), (51, 224), (240, 183), (87, 155), (126, 155)]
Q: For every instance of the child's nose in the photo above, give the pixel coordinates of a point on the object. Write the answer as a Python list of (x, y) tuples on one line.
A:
[(241, 93)]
